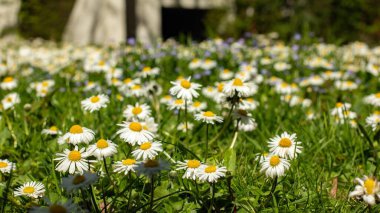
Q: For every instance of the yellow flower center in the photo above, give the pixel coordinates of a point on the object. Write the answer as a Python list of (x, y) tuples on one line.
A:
[(220, 87), (128, 162), (8, 79), (76, 129), (339, 104), (53, 128), (79, 179), (101, 63), (75, 155), (185, 84), (55, 208), (178, 102), (135, 126), (136, 87), (127, 80), (94, 99), (226, 71), (237, 82), (285, 142), (210, 169), (28, 190), (9, 99), (376, 112), (196, 104), (377, 95), (102, 144), (146, 145), (369, 185), (151, 163), (274, 160), (136, 110), (350, 83), (146, 69), (3, 164), (45, 84), (208, 114), (193, 164)]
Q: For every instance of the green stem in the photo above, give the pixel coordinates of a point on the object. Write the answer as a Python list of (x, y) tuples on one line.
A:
[(5, 193), (151, 194), (212, 192), (186, 117), (206, 152), (93, 199)]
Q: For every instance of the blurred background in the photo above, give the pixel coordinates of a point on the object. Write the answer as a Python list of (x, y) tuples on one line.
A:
[(114, 21)]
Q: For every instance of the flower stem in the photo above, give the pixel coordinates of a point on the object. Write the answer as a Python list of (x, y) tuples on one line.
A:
[(151, 194), (235, 135), (206, 152), (186, 116), (212, 192)]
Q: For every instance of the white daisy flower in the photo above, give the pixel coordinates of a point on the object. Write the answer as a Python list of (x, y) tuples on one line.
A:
[(78, 134), (137, 112), (148, 71), (190, 167), (95, 103), (6, 166), (147, 150), (77, 181), (373, 120), (102, 148), (8, 83), (31, 189), (373, 99), (182, 127), (10, 100), (274, 166), (136, 90), (166, 99), (53, 130), (68, 206), (184, 89), (346, 85), (248, 104), (210, 173), (285, 145), (208, 117), (246, 122), (195, 63), (178, 104), (152, 167), (226, 74), (134, 132), (125, 166), (208, 64), (236, 86), (197, 106), (209, 91), (73, 161), (368, 190), (339, 108), (285, 88)]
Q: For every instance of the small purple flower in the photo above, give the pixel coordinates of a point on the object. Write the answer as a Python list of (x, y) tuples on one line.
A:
[(207, 72), (197, 76)]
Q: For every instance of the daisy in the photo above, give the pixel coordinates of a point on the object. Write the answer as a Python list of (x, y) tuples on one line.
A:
[(226, 74), (150, 125), (78, 134), (73, 161), (152, 167), (285, 145), (248, 104), (147, 150), (373, 99), (31, 189), (210, 173), (53, 130), (281, 66), (77, 181), (197, 106), (236, 86), (339, 108), (195, 63), (6, 166), (246, 122), (367, 189), (137, 90), (137, 112), (208, 117), (346, 85), (182, 127), (167, 99), (190, 167), (10, 100), (8, 83), (125, 166), (133, 132), (59, 207), (373, 120), (91, 86), (177, 104), (184, 89), (274, 166), (285, 88), (148, 71), (209, 91), (102, 148), (208, 64), (95, 103)]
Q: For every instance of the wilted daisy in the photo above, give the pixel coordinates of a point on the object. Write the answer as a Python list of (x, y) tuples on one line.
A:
[(78, 134), (274, 166), (53, 130), (6, 166), (137, 112), (134, 132), (373, 99), (102, 148), (125, 166), (368, 190), (246, 122), (190, 167), (95, 103), (210, 173), (8, 83), (10, 100), (285, 145), (152, 167), (208, 117), (236, 86), (77, 181), (58, 207), (73, 161), (147, 150), (184, 89), (31, 189)]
